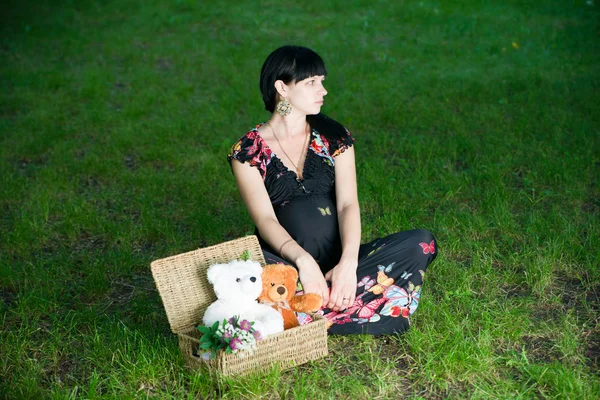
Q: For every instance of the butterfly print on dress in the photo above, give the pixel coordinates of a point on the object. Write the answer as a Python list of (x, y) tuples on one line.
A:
[(428, 248)]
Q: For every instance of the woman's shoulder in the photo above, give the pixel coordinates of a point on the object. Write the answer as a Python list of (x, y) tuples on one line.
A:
[(252, 134), (336, 136), (251, 147)]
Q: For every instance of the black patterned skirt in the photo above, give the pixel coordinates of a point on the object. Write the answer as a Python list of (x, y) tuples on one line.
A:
[(390, 276)]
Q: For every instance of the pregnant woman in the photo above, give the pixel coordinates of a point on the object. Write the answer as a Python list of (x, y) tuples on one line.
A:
[(296, 174)]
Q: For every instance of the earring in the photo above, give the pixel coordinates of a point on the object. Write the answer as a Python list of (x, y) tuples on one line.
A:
[(284, 108)]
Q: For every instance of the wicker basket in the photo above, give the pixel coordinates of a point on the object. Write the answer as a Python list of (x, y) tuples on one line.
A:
[(186, 293)]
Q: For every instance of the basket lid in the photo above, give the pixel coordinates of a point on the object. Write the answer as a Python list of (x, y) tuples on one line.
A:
[(182, 283)]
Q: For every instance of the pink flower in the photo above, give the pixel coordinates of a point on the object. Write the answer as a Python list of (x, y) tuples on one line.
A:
[(257, 335), (245, 325), (234, 343)]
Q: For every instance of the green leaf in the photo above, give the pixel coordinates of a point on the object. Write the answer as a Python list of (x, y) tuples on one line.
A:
[(205, 346), (215, 326), (245, 255), (206, 339), (204, 329)]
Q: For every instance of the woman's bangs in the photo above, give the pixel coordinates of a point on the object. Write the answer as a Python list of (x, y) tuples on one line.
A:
[(308, 64)]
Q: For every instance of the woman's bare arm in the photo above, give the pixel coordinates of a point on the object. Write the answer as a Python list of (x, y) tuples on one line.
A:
[(347, 203), (343, 275)]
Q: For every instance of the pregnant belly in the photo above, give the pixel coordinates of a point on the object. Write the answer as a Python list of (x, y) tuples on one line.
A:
[(312, 222)]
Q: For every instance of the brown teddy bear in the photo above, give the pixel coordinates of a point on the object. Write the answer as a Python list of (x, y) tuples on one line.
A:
[(279, 289)]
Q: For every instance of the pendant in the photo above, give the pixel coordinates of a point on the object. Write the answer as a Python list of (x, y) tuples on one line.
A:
[(302, 186)]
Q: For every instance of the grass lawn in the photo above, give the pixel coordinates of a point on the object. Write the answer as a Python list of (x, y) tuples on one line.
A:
[(479, 121)]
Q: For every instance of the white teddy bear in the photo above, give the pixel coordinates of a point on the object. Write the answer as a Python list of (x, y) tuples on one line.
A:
[(237, 286)]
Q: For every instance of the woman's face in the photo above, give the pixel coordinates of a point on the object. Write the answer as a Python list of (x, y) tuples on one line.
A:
[(306, 96)]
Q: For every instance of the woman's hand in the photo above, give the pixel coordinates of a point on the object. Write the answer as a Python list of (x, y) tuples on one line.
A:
[(343, 285), (311, 277)]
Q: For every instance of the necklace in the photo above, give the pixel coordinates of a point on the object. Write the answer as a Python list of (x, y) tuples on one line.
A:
[(286, 154)]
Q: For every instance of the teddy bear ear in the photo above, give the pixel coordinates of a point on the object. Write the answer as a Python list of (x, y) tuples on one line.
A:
[(271, 267), (213, 272), (257, 268), (252, 267)]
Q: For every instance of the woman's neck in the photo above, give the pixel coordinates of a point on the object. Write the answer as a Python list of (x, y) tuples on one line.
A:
[(289, 126)]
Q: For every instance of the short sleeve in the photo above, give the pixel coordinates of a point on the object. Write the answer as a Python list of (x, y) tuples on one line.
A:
[(250, 148), (340, 144), (236, 152)]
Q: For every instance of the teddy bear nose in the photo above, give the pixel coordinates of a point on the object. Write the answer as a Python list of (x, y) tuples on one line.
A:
[(252, 279), (281, 290)]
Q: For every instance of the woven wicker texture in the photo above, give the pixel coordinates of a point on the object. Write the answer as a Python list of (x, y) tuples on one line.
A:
[(186, 293), (286, 349), (182, 283)]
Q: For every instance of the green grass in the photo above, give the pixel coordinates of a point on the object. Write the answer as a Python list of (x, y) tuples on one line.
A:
[(478, 121)]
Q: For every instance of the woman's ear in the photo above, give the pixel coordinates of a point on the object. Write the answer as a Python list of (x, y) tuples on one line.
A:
[(281, 88)]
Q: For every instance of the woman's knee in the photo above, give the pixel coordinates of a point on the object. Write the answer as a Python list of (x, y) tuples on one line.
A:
[(427, 242), (420, 239), (423, 235), (416, 235)]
